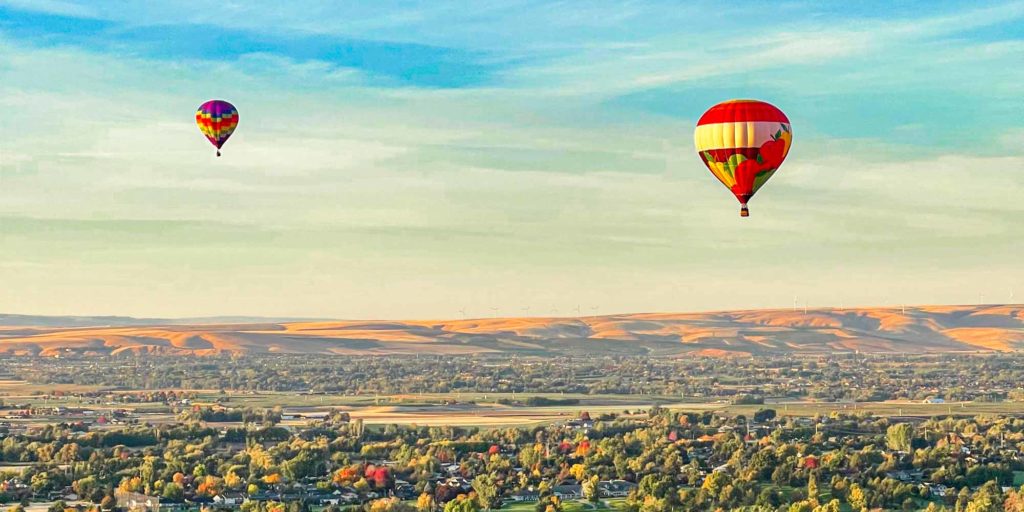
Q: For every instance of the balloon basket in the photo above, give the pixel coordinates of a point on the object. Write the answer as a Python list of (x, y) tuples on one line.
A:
[(744, 212)]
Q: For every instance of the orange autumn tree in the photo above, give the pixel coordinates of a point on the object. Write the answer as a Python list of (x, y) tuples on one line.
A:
[(209, 486), (583, 448), (346, 475)]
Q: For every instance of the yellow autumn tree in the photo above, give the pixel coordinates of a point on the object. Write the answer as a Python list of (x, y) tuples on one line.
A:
[(232, 480), (425, 503), (133, 484)]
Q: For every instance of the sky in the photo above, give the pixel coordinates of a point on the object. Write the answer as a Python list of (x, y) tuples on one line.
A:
[(513, 158)]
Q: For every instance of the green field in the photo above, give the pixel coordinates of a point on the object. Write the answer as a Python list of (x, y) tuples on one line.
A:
[(483, 410)]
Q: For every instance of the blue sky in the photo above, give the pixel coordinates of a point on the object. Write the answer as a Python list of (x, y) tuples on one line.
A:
[(401, 160)]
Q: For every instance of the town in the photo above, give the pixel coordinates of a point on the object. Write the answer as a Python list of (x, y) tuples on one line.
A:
[(771, 434)]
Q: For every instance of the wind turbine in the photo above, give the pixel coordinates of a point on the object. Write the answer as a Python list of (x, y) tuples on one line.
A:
[(495, 310), (462, 312)]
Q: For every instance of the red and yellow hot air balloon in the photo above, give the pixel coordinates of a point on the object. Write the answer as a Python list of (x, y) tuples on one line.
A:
[(217, 119), (743, 142)]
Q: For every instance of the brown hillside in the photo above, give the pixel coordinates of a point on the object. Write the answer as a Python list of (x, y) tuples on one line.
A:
[(724, 333)]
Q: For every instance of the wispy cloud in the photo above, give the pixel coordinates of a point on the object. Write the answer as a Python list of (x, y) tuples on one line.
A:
[(382, 61), (393, 160)]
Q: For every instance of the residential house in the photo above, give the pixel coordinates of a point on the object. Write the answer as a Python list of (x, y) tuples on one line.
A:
[(530, 494), (615, 488), (568, 492)]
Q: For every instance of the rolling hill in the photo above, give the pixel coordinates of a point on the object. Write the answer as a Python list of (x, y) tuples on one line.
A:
[(925, 329)]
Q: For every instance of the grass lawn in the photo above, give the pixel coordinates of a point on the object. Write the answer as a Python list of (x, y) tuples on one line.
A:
[(570, 506)]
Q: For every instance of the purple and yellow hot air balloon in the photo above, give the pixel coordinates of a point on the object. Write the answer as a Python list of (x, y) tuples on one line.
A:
[(743, 143), (217, 119)]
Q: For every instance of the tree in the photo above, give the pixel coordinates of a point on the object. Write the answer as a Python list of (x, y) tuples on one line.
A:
[(208, 486), (232, 480), (461, 503), (1014, 501), (41, 482), (547, 504), (832, 506), (812, 490), (486, 490), (715, 482), (858, 500), (58, 506), (306, 463), (361, 486), (390, 505), (86, 486), (173, 492), (590, 489), (108, 503), (425, 503), (801, 506), (899, 436), (986, 499)]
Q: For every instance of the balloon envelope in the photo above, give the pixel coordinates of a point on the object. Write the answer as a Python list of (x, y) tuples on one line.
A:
[(743, 143), (217, 119)]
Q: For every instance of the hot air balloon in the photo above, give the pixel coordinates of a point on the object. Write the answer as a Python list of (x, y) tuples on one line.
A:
[(217, 120), (743, 143)]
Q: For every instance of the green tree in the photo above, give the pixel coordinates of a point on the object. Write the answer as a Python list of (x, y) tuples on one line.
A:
[(41, 482), (85, 487), (486, 490), (306, 463), (173, 492), (899, 436)]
